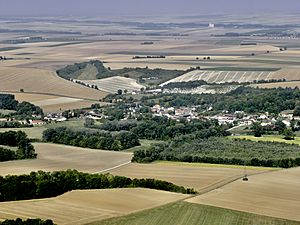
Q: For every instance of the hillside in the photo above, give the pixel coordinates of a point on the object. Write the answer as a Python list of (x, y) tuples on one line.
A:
[(115, 83), (93, 70)]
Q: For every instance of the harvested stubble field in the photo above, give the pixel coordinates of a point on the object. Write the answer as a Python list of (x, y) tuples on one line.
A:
[(113, 84), (51, 103), (199, 176), (273, 194), (52, 157), (39, 81), (84, 206), (184, 213)]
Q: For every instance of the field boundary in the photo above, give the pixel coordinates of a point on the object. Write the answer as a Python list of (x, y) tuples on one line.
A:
[(51, 94)]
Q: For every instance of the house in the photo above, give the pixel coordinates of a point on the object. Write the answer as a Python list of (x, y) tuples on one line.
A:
[(36, 122)]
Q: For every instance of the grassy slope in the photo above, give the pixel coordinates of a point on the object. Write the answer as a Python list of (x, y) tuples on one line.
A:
[(183, 213), (271, 138)]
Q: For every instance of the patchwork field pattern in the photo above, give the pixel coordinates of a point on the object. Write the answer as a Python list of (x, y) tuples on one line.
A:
[(41, 81), (199, 177), (273, 194)]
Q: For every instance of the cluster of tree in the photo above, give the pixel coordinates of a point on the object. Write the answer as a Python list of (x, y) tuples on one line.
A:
[(149, 57), (220, 150), (25, 149), (186, 85), (153, 76), (91, 139), (13, 124), (7, 154), (116, 125), (73, 71), (288, 133), (45, 184), (23, 109), (7, 101), (19, 221), (161, 128)]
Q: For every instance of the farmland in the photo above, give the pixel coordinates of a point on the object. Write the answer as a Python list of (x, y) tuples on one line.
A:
[(80, 207), (183, 213), (53, 157), (215, 76), (53, 103), (141, 52), (113, 84), (198, 176), (272, 194)]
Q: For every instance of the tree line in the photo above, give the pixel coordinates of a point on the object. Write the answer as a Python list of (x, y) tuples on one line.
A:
[(46, 184), (19, 221), (220, 150), (91, 139), (25, 149)]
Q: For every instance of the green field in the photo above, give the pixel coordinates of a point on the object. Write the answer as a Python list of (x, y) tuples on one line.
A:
[(6, 111), (144, 143), (271, 138), (183, 213)]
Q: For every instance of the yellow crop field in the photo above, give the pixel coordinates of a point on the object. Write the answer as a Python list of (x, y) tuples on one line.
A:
[(52, 157), (84, 206), (273, 194), (40, 81), (199, 176)]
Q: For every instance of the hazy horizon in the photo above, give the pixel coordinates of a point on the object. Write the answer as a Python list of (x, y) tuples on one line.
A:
[(143, 7)]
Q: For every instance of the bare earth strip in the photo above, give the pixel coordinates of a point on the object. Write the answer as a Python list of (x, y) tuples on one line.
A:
[(273, 194), (84, 206), (199, 177), (52, 157)]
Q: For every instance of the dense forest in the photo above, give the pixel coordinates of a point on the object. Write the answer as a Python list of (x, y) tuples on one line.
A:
[(161, 128), (8, 101), (247, 99), (91, 139), (220, 150), (23, 110), (25, 149), (19, 221), (45, 184)]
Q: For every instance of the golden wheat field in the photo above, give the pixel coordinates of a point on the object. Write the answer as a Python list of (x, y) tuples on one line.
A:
[(40, 81), (84, 206), (273, 194), (52, 157), (201, 177)]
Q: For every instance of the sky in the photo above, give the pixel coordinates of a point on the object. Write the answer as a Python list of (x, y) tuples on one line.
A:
[(144, 7)]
